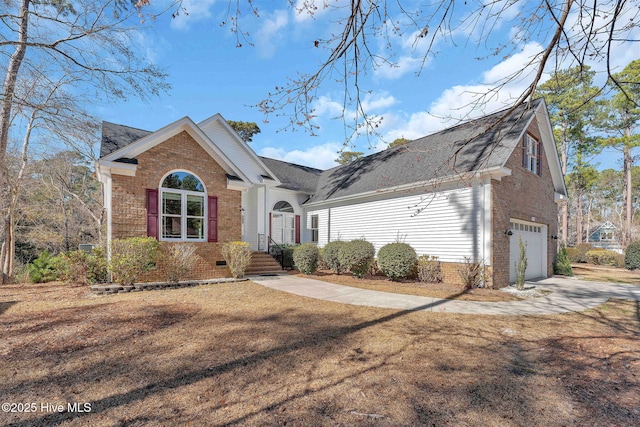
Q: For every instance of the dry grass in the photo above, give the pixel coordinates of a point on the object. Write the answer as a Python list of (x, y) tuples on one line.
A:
[(412, 287), (605, 273), (241, 354)]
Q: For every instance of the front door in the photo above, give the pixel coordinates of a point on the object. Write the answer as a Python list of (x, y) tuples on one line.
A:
[(283, 228)]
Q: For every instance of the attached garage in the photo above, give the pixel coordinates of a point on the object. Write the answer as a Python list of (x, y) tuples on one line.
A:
[(534, 236)]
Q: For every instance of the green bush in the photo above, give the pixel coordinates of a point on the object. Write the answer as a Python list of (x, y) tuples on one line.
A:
[(330, 255), (45, 268), (305, 258), (356, 256), (397, 260), (86, 268), (238, 257), (178, 260), (563, 264), (322, 265), (573, 254), (284, 254), (601, 257), (583, 248), (429, 269), (632, 256), (131, 257)]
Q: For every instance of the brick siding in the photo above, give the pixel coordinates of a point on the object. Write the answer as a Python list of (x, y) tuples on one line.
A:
[(180, 152), (522, 195)]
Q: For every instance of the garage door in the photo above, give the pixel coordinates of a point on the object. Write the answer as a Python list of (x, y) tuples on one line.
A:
[(534, 236)]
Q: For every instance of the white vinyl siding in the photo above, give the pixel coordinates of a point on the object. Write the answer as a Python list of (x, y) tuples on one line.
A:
[(233, 150), (449, 225)]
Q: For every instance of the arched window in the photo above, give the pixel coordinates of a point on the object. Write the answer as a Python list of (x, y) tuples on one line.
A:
[(183, 207)]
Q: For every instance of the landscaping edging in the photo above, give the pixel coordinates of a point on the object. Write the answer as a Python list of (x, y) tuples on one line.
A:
[(112, 288)]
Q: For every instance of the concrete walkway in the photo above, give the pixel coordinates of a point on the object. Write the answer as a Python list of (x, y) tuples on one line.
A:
[(566, 295)]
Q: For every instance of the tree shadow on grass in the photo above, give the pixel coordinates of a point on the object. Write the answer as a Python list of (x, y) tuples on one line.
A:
[(315, 339)]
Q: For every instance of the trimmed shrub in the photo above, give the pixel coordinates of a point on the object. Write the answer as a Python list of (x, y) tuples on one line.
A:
[(86, 268), (305, 258), (632, 256), (131, 257), (283, 253), (238, 257), (429, 269), (583, 248), (563, 264), (45, 268), (397, 260), (331, 258), (573, 254), (472, 273), (322, 265), (619, 260), (601, 257), (178, 259), (356, 256)]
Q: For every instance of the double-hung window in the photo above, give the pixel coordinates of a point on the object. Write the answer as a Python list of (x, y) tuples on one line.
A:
[(314, 229), (531, 154), (183, 207)]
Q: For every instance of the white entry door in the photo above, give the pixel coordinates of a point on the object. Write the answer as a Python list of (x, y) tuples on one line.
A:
[(283, 227), (534, 236)]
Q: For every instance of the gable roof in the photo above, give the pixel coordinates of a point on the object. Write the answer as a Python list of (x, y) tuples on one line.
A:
[(294, 177), (482, 144), (115, 137)]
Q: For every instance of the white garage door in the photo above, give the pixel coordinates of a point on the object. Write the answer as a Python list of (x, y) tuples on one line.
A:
[(534, 236)]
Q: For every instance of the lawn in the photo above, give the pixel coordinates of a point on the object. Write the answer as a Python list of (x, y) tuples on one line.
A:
[(241, 354), (605, 273)]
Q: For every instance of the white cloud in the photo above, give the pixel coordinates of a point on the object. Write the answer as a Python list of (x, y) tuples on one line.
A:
[(514, 64), (466, 102), (192, 11), (319, 156), (270, 33)]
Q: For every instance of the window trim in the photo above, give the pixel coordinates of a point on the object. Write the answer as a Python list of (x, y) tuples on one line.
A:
[(531, 154), (315, 231), (183, 209)]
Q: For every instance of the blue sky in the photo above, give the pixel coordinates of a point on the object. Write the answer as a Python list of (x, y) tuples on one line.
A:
[(210, 75)]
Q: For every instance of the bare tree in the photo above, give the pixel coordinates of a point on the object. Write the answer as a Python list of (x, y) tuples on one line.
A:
[(570, 32), (84, 49)]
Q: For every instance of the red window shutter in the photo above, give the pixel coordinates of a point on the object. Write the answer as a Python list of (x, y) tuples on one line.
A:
[(152, 213), (524, 152), (297, 229), (539, 160), (213, 219)]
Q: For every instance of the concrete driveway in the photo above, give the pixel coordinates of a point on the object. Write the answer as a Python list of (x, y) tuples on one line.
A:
[(567, 294)]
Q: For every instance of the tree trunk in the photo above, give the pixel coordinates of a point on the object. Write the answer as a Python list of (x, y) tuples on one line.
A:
[(627, 197), (579, 216), (8, 90), (564, 225)]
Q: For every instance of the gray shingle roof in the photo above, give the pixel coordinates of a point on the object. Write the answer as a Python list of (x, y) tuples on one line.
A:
[(292, 176), (469, 147), (472, 146), (115, 137)]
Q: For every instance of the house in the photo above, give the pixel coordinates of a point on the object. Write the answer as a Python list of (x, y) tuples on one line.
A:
[(470, 191), (605, 236)]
